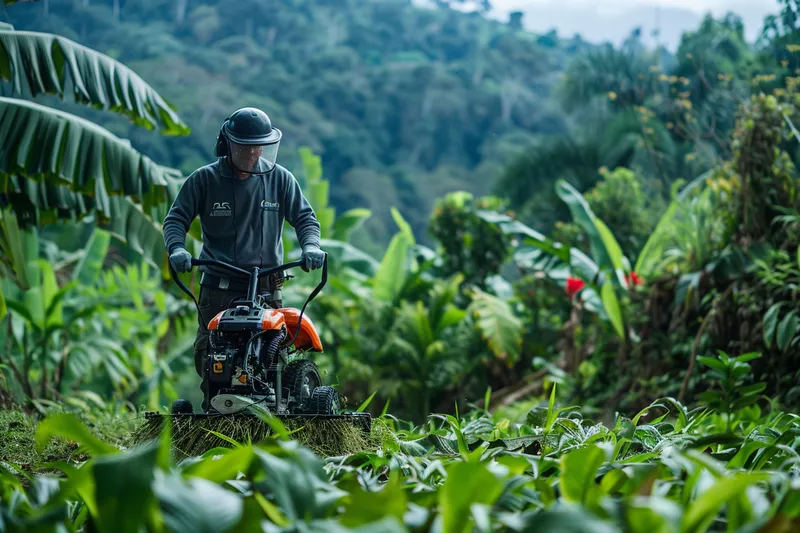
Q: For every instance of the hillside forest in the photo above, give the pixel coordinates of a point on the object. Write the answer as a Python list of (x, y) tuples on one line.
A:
[(563, 275)]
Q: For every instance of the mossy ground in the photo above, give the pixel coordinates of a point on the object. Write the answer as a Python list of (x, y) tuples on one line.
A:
[(18, 439)]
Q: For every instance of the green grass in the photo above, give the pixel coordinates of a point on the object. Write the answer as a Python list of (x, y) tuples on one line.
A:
[(18, 445)]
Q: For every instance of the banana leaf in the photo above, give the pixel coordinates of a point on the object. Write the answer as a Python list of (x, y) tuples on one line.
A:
[(57, 148), (41, 63)]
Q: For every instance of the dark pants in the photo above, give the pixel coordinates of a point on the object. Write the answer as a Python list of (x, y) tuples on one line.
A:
[(211, 302)]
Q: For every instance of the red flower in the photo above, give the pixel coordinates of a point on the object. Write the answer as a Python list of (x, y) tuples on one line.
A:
[(633, 278), (574, 285)]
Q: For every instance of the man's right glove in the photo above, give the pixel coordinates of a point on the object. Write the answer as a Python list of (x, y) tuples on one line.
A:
[(181, 260)]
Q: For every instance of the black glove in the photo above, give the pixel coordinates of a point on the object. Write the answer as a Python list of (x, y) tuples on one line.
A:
[(312, 257), (181, 260)]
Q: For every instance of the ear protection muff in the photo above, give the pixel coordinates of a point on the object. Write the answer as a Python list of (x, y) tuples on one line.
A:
[(221, 148)]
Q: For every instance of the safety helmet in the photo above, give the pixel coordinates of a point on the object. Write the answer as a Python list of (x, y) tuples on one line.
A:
[(250, 126)]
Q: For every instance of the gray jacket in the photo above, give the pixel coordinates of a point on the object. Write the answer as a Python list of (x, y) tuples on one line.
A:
[(242, 219)]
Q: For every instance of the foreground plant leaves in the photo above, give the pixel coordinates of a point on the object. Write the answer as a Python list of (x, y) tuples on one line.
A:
[(469, 489), (296, 481), (197, 505), (123, 489), (466, 474)]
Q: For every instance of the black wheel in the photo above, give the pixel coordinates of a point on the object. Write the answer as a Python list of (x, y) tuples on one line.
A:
[(182, 407), (324, 401), (300, 378)]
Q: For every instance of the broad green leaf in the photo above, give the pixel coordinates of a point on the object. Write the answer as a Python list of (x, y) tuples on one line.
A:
[(653, 515), (701, 512), (441, 303), (771, 323), (136, 230), (197, 504), (11, 244), (66, 425), (534, 238), (123, 489), (747, 357), (348, 222), (466, 484), (712, 362), (312, 164), (296, 482), (578, 473), (790, 505), (222, 468), (745, 451), (582, 265), (94, 254), (605, 249), (3, 308), (654, 248), (498, 323), (22, 310), (391, 276), (51, 296), (366, 507), (613, 249), (345, 255), (787, 329), (40, 62), (611, 305), (566, 519), (317, 194), (75, 153)]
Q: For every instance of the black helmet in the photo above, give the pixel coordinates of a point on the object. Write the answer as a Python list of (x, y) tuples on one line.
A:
[(249, 126)]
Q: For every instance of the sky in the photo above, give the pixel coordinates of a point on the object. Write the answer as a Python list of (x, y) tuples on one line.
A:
[(612, 20)]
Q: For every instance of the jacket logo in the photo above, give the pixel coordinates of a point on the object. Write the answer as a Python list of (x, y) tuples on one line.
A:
[(270, 206), (221, 209)]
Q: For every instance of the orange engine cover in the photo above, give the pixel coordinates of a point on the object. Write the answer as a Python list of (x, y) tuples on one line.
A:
[(272, 319), (214, 324), (308, 338)]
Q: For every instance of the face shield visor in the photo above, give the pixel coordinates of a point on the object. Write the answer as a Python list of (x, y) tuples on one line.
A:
[(254, 158)]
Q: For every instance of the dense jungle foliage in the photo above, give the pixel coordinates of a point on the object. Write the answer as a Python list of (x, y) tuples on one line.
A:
[(514, 222)]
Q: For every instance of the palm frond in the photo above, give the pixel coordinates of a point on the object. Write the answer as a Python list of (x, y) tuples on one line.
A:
[(44, 144), (41, 63), (58, 166)]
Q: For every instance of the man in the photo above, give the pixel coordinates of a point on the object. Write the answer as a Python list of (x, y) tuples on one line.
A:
[(242, 199)]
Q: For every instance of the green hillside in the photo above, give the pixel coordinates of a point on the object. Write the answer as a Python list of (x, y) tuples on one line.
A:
[(402, 103)]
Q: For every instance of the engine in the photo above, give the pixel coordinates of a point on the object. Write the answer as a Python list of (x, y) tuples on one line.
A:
[(243, 349)]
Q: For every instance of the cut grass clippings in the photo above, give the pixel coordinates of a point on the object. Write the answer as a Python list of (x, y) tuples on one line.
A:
[(193, 436)]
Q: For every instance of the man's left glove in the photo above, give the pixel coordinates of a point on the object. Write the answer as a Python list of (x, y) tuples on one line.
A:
[(312, 257)]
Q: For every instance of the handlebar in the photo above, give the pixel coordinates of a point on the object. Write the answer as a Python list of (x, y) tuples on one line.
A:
[(261, 273), (251, 293), (252, 285)]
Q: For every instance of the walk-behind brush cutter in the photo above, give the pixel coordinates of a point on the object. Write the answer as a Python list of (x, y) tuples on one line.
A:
[(255, 364)]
